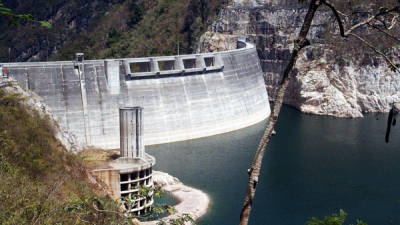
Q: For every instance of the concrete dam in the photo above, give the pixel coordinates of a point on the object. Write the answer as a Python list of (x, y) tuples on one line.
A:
[(184, 96)]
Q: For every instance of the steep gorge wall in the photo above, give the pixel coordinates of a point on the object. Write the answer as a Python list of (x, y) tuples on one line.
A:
[(326, 83), (179, 104)]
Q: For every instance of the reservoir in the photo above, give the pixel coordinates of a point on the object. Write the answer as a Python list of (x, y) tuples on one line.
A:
[(315, 166)]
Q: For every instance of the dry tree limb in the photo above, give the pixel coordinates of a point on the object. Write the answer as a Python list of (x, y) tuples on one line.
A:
[(395, 9), (107, 211), (336, 14), (300, 43), (385, 32), (393, 22), (377, 51), (53, 189), (349, 32), (255, 168)]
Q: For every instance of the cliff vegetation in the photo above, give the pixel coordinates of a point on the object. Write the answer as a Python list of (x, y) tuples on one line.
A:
[(105, 28), (40, 181)]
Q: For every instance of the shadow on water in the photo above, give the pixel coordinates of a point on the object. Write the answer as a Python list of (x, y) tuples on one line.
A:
[(315, 166)]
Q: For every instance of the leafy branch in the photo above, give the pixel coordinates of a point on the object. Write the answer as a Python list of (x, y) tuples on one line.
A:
[(332, 220), (154, 211), (16, 19)]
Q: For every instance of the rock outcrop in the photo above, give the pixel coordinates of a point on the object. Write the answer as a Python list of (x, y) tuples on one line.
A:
[(192, 202), (327, 83)]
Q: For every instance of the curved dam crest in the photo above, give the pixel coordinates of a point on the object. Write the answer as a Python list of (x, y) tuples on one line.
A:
[(184, 97)]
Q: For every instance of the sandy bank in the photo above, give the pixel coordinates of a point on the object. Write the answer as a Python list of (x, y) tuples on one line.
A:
[(191, 201)]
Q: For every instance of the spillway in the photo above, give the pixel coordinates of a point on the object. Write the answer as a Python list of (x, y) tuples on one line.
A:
[(184, 96)]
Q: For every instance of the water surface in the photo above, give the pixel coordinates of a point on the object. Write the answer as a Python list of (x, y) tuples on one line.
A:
[(315, 166)]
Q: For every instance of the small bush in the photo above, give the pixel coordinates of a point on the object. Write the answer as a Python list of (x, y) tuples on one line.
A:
[(40, 181)]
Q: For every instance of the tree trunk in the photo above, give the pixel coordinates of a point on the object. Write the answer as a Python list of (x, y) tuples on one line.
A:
[(254, 171)]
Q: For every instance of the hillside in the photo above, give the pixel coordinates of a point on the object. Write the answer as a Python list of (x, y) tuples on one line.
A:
[(105, 28), (40, 181)]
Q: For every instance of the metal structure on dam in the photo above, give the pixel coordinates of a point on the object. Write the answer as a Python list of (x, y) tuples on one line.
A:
[(184, 97)]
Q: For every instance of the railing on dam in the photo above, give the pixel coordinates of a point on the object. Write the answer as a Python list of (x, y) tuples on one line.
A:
[(157, 67), (151, 67), (184, 96), (148, 67), (172, 65)]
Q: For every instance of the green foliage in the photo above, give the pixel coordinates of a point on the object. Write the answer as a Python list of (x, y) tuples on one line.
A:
[(139, 28), (179, 221), (15, 19), (129, 28), (27, 140), (44, 24), (182, 220), (332, 220), (155, 211), (113, 37), (41, 182), (136, 14)]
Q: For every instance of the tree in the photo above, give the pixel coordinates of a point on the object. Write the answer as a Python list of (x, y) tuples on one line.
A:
[(386, 16), (332, 220), (15, 19)]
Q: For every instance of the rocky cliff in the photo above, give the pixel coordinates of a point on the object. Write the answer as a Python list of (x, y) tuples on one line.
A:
[(334, 76)]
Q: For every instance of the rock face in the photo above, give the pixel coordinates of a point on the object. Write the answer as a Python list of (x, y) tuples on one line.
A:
[(326, 83), (325, 88), (191, 201)]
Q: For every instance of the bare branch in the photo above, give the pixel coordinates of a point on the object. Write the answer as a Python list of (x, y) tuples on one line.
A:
[(385, 32), (85, 221), (300, 43), (53, 188), (336, 13), (255, 168), (393, 23), (370, 19), (343, 14), (107, 211), (376, 50), (383, 22), (395, 9)]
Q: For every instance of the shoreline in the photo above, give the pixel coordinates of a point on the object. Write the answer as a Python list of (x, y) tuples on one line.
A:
[(191, 201)]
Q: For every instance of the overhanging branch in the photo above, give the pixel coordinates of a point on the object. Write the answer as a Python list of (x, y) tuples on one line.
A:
[(385, 32), (377, 51), (337, 16), (349, 32), (343, 33)]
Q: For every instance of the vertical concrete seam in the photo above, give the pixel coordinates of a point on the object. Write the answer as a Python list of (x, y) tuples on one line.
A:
[(100, 100), (83, 98)]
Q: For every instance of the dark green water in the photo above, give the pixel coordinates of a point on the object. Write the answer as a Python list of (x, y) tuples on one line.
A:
[(315, 166)]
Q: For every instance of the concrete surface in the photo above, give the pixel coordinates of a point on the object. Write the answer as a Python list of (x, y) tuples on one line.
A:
[(131, 132), (179, 103)]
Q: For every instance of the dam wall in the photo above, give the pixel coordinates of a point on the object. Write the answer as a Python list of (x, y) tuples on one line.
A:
[(184, 97)]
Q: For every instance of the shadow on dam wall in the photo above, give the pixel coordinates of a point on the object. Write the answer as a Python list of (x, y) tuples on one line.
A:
[(184, 97)]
